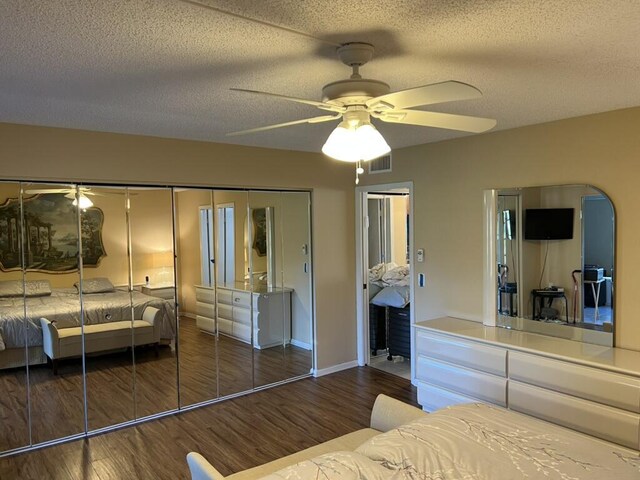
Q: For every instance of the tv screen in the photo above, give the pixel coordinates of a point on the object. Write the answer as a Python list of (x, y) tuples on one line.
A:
[(548, 224)]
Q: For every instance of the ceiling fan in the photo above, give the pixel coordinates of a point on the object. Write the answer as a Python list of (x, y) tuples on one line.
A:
[(357, 99), (83, 200)]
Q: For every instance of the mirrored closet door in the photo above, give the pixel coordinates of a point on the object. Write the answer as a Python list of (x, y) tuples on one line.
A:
[(105, 278), (53, 311), (119, 302), (14, 341), (196, 295)]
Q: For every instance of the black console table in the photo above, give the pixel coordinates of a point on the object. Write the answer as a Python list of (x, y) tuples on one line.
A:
[(539, 297)]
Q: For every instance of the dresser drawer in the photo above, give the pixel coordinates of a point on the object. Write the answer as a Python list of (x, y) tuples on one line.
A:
[(225, 311), (467, 382), (205, 323), (242, 315), (594, 419), (241, 299), (206, 309), (225, 296), (434, 398), (225, 326), (242, 332), (461, 352), (600, 386), (206, 295)]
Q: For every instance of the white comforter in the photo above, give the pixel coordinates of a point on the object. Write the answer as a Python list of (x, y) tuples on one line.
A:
[(473, 442)]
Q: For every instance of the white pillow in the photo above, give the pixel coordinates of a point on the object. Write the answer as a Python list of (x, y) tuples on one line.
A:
[(35, 288), (392, 297)]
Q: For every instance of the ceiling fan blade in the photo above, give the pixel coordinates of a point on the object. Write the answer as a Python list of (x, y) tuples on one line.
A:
[(426, 95), (323, 118), (46, 190), (439, 120), (321, 105)]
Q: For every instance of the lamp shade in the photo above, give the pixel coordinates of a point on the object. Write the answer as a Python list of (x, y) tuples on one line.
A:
[(353, 144), (84, 202)]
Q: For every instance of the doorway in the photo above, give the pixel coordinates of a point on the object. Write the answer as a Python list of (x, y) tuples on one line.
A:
[(385, 278)]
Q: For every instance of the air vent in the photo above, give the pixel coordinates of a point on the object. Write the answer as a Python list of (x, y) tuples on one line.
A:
[(380, 165)]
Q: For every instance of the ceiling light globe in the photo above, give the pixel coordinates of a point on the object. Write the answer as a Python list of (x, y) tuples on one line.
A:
[(84, 202), (349, 144)]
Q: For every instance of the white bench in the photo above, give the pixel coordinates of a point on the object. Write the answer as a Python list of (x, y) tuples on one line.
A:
[(100, 337)]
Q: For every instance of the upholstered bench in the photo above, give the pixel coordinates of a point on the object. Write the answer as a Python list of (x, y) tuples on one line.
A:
[(100, 337)]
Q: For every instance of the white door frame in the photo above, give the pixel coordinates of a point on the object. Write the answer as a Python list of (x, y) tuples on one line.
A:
[(362, 254)]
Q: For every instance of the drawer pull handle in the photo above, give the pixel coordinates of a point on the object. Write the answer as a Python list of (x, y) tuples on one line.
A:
[(237, 299)]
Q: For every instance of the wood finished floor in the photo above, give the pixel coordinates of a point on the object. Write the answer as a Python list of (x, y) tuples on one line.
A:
[(233, 435), (208, 369)]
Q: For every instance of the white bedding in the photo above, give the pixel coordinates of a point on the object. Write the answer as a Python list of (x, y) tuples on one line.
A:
[(477, 442), (63, 306)]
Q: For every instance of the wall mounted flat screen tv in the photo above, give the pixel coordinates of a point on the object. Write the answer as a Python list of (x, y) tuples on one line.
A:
[(548, 224)]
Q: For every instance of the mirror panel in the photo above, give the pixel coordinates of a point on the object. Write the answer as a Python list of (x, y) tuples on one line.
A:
[(243, 259), (558, 270), (153, 299), (51, 246), (297, 277), (196, 295), (107, 306), (271, 306), (233, 293), (14, 405)]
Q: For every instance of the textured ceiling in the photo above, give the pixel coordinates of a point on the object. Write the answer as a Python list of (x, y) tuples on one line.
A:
[(164, 67)]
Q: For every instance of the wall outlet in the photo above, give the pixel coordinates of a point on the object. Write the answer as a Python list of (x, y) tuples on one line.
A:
[(420, 255)]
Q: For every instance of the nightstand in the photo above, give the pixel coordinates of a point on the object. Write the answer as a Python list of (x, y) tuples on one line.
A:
[(161, 291)]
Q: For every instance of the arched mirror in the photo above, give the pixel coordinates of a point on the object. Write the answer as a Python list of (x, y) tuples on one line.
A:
[(555, 260)]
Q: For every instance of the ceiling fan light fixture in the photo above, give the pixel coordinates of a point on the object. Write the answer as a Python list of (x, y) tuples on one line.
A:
[(349, 143), (82, 201)]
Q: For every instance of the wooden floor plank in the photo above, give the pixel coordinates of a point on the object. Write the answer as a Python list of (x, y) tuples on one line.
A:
[(233, 435)]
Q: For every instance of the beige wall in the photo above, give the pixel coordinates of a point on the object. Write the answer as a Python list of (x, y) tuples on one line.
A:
[(449, 178), (40, 153)]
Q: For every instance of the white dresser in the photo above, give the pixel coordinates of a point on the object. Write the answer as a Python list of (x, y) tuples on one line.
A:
[(589, 388), (266, 310)]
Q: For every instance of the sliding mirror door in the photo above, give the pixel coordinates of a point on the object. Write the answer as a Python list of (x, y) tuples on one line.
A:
[(14, 401), (54, 321), (233, 293), (196, 295), (153, 299), (297, 278), (107, 306)]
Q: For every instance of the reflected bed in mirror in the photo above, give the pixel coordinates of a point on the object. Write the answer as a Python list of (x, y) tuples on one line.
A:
[(554, 260)]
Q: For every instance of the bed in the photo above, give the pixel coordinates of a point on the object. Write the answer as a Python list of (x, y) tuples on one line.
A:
[(474, 441), (463, 442), (63, 307), (389, 315)]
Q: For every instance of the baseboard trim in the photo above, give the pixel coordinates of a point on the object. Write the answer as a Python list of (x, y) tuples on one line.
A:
[(299, 344), (188, 315), (335, 368)]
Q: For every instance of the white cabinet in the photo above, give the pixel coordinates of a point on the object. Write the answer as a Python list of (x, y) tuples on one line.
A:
[(459, 370), (206, 308), (239, 311), (591, 389)]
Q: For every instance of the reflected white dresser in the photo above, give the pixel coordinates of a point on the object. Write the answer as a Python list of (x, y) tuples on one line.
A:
[(239, 309), (588, 388)]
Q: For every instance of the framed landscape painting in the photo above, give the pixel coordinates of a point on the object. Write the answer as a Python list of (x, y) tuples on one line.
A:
[(50, 234)]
